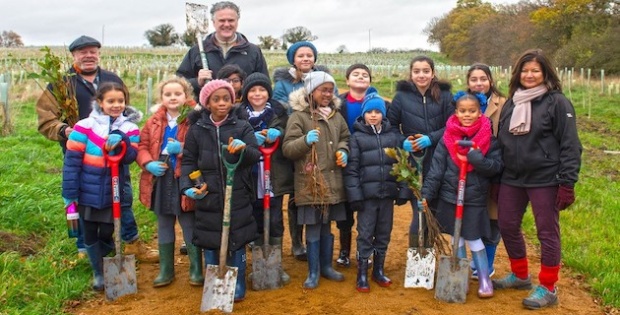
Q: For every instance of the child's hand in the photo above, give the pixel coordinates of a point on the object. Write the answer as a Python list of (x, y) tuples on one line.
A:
[(260, 138), (235, 145), (173, 146), (422, 204), (341, 158), (312, 136), (475, 156), (273, 134), (196, 193), (112, 141), (156, 168), (421, 142), (408, 144)]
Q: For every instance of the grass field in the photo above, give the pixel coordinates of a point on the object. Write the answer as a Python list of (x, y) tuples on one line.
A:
[(39, 271)]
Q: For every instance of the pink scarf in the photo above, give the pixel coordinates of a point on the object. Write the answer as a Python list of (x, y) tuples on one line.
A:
[(521, 119), (479, 133)]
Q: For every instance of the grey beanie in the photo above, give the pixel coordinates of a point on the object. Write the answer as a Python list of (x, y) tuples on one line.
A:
[(315, 78)]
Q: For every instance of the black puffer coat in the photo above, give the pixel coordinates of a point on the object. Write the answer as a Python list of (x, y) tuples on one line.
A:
[(443, 178), (202, 152), (413, 113), (367, 175)]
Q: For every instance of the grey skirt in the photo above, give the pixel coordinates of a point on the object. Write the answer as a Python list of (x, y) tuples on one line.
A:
[(314, 215), (166, 198)]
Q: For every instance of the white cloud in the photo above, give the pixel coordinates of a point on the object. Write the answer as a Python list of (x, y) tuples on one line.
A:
[(392, 23)]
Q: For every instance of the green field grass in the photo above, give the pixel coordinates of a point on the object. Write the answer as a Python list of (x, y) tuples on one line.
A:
[(39, 271)]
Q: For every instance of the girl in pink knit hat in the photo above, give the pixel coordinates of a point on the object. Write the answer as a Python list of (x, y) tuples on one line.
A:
[(212, 127)]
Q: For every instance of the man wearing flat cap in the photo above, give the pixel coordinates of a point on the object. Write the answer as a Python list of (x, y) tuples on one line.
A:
[(86, 76)]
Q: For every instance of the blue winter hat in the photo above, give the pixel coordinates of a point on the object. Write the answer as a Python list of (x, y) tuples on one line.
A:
[(290, 53), (373, 101)]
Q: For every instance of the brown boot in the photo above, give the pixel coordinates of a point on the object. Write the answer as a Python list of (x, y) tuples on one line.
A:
[(142, 251)]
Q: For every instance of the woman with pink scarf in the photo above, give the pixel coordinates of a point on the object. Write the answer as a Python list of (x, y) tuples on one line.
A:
[(542, 157)]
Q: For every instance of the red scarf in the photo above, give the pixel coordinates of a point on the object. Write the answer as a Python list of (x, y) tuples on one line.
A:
[(479, 133)]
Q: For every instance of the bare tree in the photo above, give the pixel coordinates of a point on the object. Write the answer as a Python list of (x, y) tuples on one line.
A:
[(298, 34), (268, 42), (342, 49)]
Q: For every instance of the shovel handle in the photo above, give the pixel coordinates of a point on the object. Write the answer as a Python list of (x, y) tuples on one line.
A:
[(203, 55), (113, 162), (267, 151)]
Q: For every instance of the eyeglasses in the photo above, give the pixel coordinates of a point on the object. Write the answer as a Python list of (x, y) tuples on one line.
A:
[(326, 91), (233, 80)]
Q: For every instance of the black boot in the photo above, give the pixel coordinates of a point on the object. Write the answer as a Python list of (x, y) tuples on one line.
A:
[(238, 259), (362, 275), (378, 275), (326, 255), (96, 262), (313, 266), (345, 249), (296, 231)]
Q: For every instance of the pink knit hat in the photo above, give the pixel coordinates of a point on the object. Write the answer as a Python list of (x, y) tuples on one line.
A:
[(213, 85)]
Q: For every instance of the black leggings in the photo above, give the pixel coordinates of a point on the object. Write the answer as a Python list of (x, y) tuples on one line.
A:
[(97, 231)]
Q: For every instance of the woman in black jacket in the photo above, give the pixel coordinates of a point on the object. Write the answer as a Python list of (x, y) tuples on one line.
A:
[(542, 157)]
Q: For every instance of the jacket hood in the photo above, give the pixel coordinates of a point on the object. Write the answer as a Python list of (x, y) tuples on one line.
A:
[(298, 101), (131, 113), (408, 86), (282, 74)]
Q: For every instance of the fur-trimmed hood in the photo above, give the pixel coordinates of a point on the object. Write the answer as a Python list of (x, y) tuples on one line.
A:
[(282, 74), (408, 86), (298, 101)]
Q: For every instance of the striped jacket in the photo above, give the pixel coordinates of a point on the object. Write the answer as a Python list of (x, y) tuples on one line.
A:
[(86, 173)]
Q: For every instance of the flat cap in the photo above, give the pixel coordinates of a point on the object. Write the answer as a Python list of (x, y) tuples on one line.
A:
[(84, 41)]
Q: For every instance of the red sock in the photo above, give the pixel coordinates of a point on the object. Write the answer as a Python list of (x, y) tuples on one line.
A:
[(519, 267), (548, 276)]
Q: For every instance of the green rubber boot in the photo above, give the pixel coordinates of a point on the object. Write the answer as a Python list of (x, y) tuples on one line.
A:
[(196, 278), (166, 265)]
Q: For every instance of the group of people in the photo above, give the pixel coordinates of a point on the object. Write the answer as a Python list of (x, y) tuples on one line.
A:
[(330, 159)]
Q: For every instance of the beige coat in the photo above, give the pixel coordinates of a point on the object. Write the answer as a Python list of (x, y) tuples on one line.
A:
[(334, 135), (494, 109)]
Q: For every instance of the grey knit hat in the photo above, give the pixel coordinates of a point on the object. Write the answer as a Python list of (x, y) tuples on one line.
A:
[(315, 78)]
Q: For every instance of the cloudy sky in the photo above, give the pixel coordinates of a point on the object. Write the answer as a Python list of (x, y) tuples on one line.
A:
[(356, 24)]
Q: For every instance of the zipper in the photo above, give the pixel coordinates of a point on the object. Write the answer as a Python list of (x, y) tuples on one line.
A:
[(425, 114), (380, 161)]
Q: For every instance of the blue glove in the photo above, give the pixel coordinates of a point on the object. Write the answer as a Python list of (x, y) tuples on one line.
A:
[(173, 146), (407, 146), (112, 141), (312, 136), (422, 204), (194, 193), (156, 168), (235, 146), (421, 143), (341, 158), (273, 134), (68, 201), (259, 137)]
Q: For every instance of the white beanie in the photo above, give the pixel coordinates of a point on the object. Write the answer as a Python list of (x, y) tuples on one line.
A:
[(315, 78)]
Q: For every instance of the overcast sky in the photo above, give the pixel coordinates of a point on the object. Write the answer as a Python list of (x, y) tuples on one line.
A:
[(391, 24)]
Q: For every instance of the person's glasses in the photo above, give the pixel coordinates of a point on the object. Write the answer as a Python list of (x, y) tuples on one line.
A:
[(233, 80), (326, 91)]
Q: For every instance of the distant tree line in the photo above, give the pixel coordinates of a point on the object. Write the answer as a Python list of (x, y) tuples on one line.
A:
[(10, 39), (577, 33)]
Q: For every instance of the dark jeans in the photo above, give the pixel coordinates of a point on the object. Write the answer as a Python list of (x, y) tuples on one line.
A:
[(512, 205), (276, 225), (374, 226)]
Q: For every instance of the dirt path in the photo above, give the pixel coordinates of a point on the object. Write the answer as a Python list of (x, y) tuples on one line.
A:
[(338, 298)]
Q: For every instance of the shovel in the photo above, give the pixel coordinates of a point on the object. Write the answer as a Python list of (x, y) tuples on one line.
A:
[(197, 21), (119, 272), (420, 270), (220, 281), (267, 259), (453, 272)]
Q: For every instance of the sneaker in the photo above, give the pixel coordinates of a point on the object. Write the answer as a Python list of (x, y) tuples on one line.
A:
[(541, 297), (474, 273), (343, 260), (183, 249), (512, 282)]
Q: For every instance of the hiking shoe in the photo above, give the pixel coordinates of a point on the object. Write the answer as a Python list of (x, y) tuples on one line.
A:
[(343, 260), (541, 297), (512, 282), (474, 273), (183, 249)]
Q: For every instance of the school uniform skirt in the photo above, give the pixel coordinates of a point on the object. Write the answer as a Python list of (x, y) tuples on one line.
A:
[(475, 224), (316, 215), (166, 198)]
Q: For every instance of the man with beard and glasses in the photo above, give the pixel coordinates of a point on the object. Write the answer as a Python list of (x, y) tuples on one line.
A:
[(86, 76)]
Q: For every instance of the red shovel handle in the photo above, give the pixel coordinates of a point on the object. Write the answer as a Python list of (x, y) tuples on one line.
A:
[(113, 161), (460, 197)]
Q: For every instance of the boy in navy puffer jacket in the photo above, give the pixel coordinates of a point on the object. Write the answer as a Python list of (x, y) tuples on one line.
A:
[(371, 190)]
